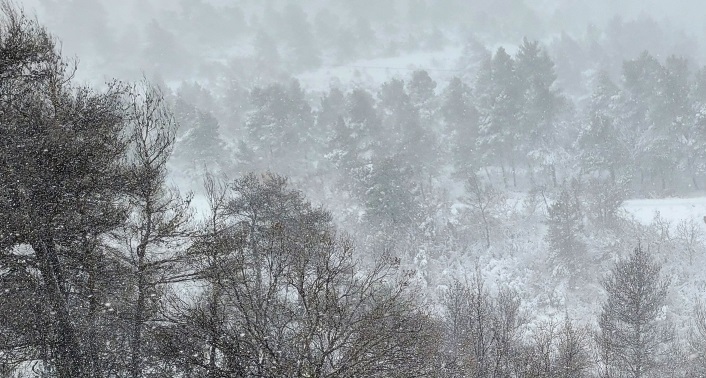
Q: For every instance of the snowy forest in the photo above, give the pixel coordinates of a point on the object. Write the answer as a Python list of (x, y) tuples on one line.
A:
[(403, 188)]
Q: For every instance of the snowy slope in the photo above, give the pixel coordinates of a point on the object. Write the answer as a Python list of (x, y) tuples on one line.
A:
[(370, 73), (672, 209)]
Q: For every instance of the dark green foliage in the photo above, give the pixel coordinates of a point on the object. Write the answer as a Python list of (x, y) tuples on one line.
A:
[(498, 97), (63, 179), (390, 196), (461, 120), (565, 233), (201, 145), (277, 126)]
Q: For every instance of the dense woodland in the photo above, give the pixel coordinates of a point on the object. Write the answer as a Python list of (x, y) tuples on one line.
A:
[(463, 228)]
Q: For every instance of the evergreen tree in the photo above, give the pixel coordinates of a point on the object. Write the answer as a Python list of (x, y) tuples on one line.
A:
[(62, 149), (601, 143), (474, 55), (201, 146), (404, 134), (355, 137), (296, 30), (421, 93), (163, 50), (541, 103), (676, 120), (390, 195), (631, 334), (277, 126), (499, 102), (643, 78), (267, 54), (695, 134), (461, 125), (332, 107), (565, 223)]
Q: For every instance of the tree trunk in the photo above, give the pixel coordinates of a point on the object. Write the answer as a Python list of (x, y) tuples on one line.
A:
[(136, 352), (514, 171), (487, 174), (213, 347), (92, 354), (69, 362), (502, 167), (486, 229)]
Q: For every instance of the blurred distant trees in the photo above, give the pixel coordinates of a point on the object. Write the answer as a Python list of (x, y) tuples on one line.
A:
[(104, 272), (565, 228)]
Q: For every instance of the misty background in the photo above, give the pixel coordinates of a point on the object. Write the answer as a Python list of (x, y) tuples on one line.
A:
[(531, 161), (260, 41)]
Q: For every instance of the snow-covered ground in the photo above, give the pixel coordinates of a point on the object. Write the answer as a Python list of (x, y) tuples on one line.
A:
[(369, 73), (673, 210), (550, 293)]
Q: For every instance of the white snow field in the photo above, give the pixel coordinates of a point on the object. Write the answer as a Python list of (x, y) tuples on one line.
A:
[(673, 210)]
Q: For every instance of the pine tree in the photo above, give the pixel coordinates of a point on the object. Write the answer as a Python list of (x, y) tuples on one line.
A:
[(405, 136), (201, 146), (277, 126), (565, 222), (355, 137), (421, 92), (62, 149), (603, 145), (390, 195), (695, 133), (499, 102), (163, 49), (461, 124), (643, 82), (631, 333), (541, 103), (296, 30)]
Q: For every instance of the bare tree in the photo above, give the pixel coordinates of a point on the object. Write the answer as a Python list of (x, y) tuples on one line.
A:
[(573, 358), (197, 342), (484, 201), (481, 329), (690, 236), (285, 296), (555, 350), (469, 335), (159, 221)]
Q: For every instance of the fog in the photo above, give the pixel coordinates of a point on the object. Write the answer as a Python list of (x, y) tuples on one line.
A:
[(252, 40), (353, 188)]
